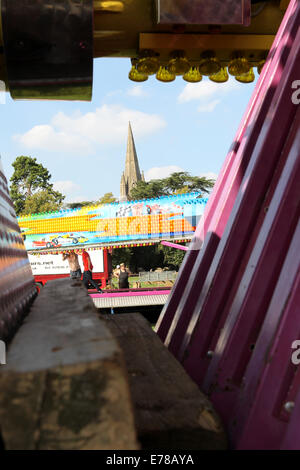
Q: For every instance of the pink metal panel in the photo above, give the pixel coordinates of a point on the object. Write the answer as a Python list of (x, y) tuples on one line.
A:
[(259, 421), (225, 190), (272, 331), (291, 439), (190, 294), (230, 251), (247, 311), (240, 299), (163, 323)]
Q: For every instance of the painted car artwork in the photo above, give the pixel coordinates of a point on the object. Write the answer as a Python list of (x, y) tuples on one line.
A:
[(43, 244), (168, 217), (67, 239)]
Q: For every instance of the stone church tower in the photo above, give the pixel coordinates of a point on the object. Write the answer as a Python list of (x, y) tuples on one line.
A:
[(132, 173)]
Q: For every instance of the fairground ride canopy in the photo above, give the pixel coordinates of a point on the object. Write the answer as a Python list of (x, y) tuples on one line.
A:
[(116, 224), (47, 47)]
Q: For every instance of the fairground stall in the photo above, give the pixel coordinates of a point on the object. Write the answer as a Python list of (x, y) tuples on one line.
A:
[(232, 319)]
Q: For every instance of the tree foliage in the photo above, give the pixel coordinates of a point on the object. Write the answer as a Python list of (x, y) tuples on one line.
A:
[(108, 198), (122, 255), (177, 183), (41, 201), (173, 257), (78, 205), (147, 189), (148, 257), (31, 187)]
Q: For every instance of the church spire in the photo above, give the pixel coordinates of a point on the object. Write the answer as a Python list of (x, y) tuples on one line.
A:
[(123, 192), (132, 173), (132, 169)]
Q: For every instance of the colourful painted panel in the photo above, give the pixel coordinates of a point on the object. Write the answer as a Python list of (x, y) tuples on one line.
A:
[(17, 289), (167, 217)]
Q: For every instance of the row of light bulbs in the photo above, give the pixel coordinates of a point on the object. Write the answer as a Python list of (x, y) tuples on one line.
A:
[(209, 65)]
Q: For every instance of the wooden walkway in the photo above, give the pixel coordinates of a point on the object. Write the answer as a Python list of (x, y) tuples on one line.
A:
[(76, 379)]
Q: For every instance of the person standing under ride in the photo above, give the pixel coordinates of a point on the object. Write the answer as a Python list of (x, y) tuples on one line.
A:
[(123, 277), (87, 273), (115, 273), (75, 270)]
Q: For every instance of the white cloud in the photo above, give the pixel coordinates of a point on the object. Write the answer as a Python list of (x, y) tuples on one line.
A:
[(70, 199), (109, 124), (47, 138), (82, 132), (206, 89), (209, 175), (114, 93), (71, 190), (66, 187), (159, 172), (137, 91), (208, 107)]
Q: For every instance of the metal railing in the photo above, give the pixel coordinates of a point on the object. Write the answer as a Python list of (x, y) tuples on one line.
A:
[(146, 276)]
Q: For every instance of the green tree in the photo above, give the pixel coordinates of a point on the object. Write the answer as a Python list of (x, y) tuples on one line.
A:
[(173, 257), (41, 201), (148, 257), (121, 255), (177, 183), (78, 205), (183, 182), (29, 178), (108, 198), (147, 189)]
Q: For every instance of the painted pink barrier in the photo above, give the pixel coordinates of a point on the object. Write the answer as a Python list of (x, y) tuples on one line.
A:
[(175, 245), (247, 311), (218, 209), (236, 308), (271, 380), (231, 257)]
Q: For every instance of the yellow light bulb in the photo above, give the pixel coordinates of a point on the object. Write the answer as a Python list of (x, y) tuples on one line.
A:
[(193, 75), (179, 65), (164, 75), (136, 76), (246, 77), (209, 66), (238, 66), (220, 77), (148, 65), (260, 66)]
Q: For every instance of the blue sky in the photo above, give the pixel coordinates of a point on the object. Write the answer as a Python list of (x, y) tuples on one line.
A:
[(176, 126)]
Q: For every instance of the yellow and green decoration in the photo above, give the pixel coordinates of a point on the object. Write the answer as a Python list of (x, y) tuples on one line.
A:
[(148, 63), (132, 222)]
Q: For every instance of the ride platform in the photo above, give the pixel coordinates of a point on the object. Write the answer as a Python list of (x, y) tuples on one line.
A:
[(130, 297)]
